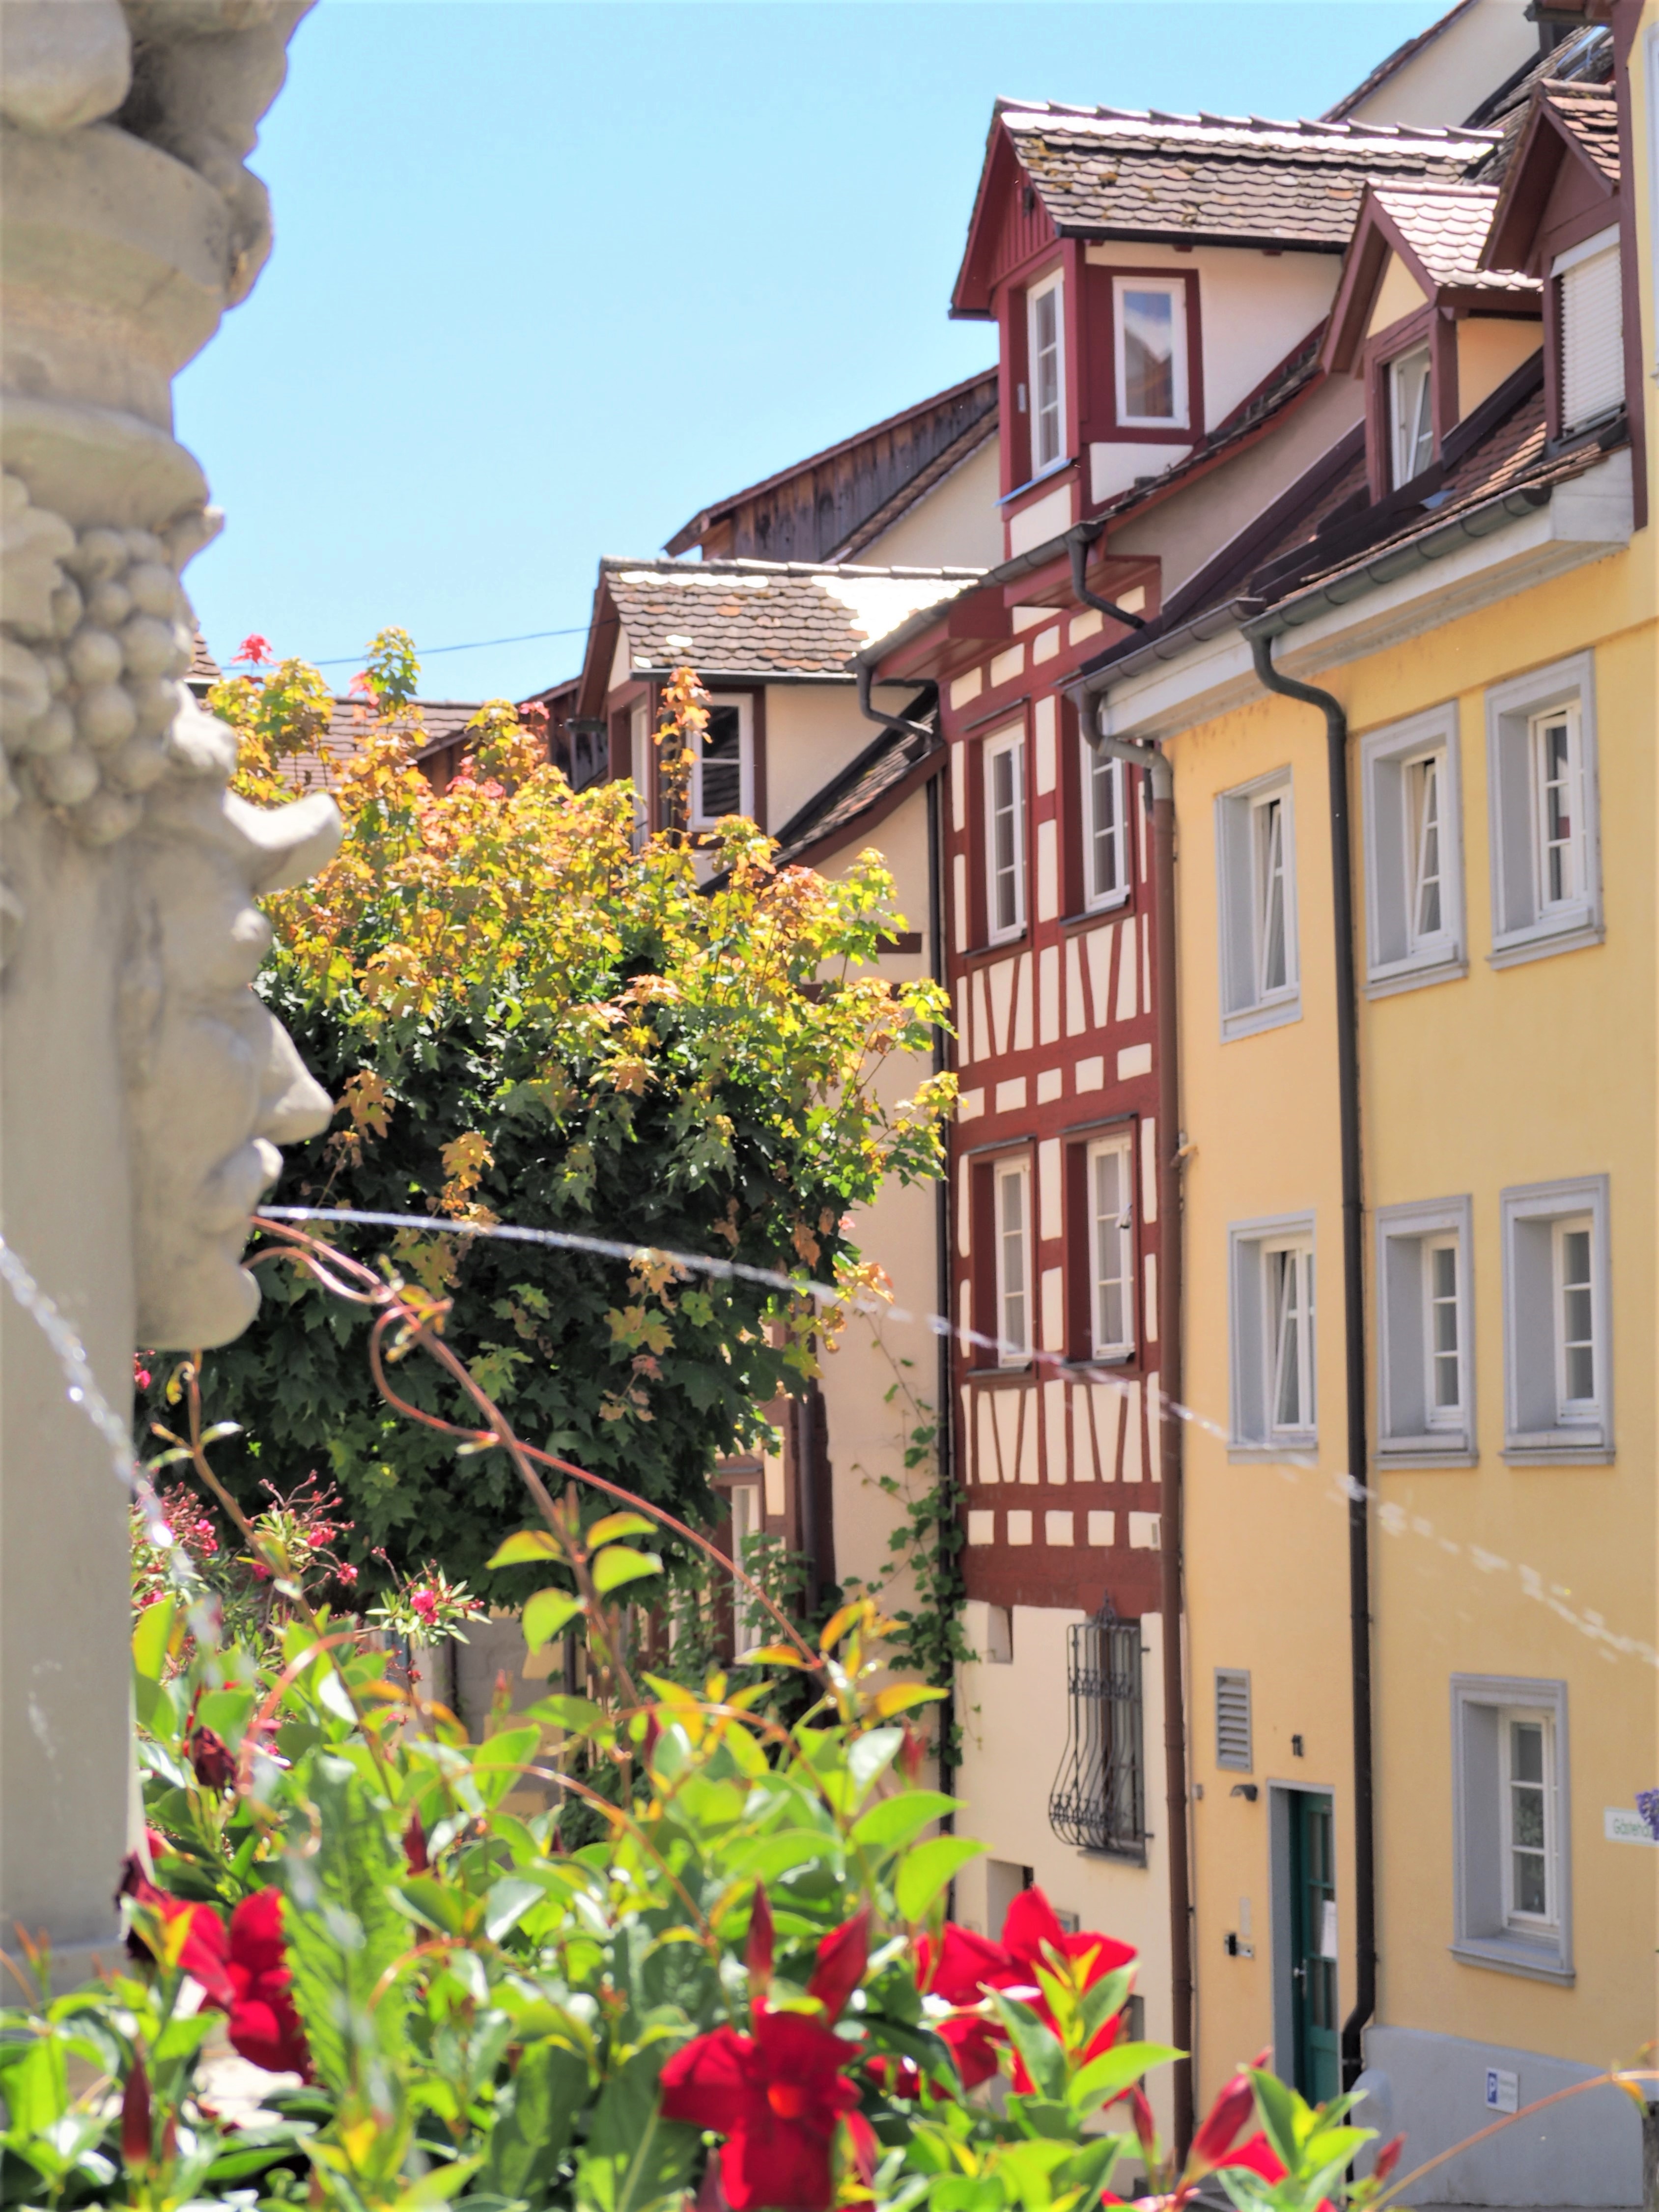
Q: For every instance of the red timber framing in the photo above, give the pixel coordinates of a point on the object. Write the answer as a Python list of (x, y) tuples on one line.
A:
[(1054, 1053)]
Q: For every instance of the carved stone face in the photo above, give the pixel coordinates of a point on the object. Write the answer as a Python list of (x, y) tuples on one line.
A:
[(214, 1084)]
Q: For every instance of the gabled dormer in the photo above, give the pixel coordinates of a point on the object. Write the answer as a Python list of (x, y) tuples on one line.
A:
[(1429, 330), (1148, 273), (1559, 216)]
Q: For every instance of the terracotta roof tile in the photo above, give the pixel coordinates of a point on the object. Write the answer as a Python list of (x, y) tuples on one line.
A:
[(1446, 227), (205, 671), (1590, 112), (441, 720), (1102, 172), (763, 617)]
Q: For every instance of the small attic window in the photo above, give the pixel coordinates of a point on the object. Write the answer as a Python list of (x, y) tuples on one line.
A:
[(1590, 317), (1411, 415)]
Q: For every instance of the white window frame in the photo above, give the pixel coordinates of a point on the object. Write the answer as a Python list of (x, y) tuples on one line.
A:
[(1014, 1171), (1541, 1428), (1245, 1007), (1175, 289), (1526, 923), (1604, 245), (1486, 1928), (1520, 1919), (744, 703), (748, 1627), (1004, 743), (641, 751), (1051, 288), (1121, 1146), (1398, 957), (1406, 437), (1412, 1431), (1098, 769), (1255, 1432)]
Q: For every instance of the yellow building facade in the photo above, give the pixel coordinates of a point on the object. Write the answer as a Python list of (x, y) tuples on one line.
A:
[(1489, 652)]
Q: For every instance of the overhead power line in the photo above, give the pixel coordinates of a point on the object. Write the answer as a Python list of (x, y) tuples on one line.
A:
[(474, 644)]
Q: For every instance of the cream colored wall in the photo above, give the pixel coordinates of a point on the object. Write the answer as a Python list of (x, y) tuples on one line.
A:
[(1489, 348), (1253, 308), (1187, 530), (813, 731), (1398, 296), (957, 525), (1449, 78), (1506, 1076), (1013, 1720)]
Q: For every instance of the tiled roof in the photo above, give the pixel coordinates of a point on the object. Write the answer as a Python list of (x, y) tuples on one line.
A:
[(764, 618), (832, 816), (1590, 113), (1446, 228), (441, 720), (1586, 59), (1102, 172), (203, 671)]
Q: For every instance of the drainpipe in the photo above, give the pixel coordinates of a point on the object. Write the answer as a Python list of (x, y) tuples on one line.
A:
[(879, 715), (1162, 781), (1078, 542), (1353, 1319)]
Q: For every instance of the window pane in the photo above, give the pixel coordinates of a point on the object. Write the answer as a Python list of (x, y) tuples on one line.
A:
[(1112, 1247), (1005, 839), (1148, 354), (1447, 1380), (1270, 892), (1010, 1190), (1578, 1315), (1287, 1392), (1105, 841), (721, 789), (1556, 769), (1411, 394), (1045, 377), (1424, 779)]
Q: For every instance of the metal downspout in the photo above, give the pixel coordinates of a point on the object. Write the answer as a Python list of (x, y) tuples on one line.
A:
[(1078, 542), (1353, 1316), (942, 1431), (1171, 1600)]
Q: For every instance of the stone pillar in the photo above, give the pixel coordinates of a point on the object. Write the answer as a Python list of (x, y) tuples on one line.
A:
[(142, 1084)]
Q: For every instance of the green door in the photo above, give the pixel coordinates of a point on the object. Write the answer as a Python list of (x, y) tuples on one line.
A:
[(1313, 1947)]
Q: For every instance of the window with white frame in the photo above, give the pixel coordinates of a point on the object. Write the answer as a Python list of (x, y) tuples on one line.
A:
[(1412, 826), (1273, 1338), (1005, 835), (1045, 310), (1590, 336), (723, 763), (1105, 828), (1511, 1885), (1411, 415), (1012, 1197), (1112, 1245), (1255, 851), (1545, 873), (1150, 346), (1557, 1347), (1425, 1413)]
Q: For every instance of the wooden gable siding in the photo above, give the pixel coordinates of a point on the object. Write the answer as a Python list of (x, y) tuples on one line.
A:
[(1024, 227), (810, 513)]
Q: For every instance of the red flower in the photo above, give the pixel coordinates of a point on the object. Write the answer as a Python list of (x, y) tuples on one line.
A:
[(254, 648), (346, 1573), (759, 1953), (136, 2118), (414, 1844), (425, 1603), (1225, 2121), (140, 1373), (211, 1756), (263, 2024), (202, 1956), (842, 1956), (776, 2096), (1029, 1931), (1258, 2156)]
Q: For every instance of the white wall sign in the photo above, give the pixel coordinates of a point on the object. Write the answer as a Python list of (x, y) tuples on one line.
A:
[(1503, 2090), (1620, 1824)]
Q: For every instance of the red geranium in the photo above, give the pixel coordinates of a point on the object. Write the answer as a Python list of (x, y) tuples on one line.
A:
[(263, 2024), (203, 1952)]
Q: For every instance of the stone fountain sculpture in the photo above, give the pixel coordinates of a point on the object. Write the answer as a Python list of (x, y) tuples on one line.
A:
[(144, 1086)]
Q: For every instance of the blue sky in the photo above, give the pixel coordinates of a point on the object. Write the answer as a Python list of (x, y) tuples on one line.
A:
[(550, 278)]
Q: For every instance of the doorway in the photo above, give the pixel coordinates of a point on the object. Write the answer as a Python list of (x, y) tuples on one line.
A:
[(1308, 1888)]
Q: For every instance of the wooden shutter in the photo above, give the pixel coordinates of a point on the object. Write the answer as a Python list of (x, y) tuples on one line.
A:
[(1232, 1718), (1592, 338)]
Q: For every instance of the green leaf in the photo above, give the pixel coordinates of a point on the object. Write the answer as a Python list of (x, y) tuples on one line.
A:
[(343, 1930), (437, 1902), (1278, 2105), (546, 1614), (534, 2115), (618, 1524), (525, 1548), (926, 1868), (508, 1900), (634, 2159), (1113, 2072), (1037, 2043), (150, 1639), (579, 1715), (498, 1763), (619, 1565), (896, 1820)]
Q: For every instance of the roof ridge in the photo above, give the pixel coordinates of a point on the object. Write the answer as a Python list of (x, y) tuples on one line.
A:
[(752, 564), (1311, 126)]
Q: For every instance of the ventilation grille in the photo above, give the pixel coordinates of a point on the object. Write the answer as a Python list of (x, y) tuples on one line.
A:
[(1232, 1718)]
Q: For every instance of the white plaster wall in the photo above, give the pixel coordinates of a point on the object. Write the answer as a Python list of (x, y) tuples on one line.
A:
[(1253, 307), (1188, 530), (957, 525), (1013, 1721)]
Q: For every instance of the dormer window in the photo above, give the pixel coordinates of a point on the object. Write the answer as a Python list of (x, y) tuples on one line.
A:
[(1045, 309), (1411, 415), (1590, 316), (1150, 324)]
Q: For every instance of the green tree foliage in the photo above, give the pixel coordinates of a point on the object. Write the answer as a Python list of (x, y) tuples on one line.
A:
[(530, 1017)]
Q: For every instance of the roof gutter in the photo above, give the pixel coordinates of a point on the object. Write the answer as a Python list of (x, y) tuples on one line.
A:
[(1261, 635)]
